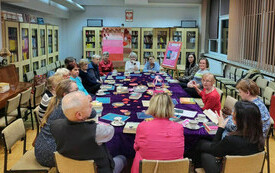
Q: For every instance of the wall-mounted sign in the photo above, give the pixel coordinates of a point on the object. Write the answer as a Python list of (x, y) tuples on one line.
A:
[(129, 15)]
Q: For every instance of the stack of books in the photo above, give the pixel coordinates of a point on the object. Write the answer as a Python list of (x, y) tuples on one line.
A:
[(4, 87), (130, 127), (187, 100), (210, 127)]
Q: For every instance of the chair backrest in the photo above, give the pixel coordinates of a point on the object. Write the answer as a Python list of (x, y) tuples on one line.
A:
[(248, 164), (271, 84), (58, 64), (29, 76), (230, 102), (25, 96), (268, 92), (220, 93), (49, 68), (13, 132), (239, 74), (38, 92), (232, 73), (262, 83), (13, 103), (67, 165), (164, 166)]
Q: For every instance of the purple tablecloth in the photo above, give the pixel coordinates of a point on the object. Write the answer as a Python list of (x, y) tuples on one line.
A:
[(123, 143)]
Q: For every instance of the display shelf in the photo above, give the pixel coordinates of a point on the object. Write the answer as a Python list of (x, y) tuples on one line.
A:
[(135, 34), (92, 41), (28, 44), (189, 39)]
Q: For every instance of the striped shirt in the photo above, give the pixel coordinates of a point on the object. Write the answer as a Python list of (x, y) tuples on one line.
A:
[(44, 103)]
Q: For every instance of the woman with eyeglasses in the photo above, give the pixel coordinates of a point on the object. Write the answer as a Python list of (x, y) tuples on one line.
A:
[(209, 94), (249, 91), (196, 81)]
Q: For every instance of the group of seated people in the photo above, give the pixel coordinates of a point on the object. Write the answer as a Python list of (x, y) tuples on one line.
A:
[(65, 111)]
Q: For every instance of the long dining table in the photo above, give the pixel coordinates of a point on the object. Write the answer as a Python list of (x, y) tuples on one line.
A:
[(122, 143)]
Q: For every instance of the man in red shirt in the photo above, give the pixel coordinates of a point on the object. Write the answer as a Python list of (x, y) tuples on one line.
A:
[(105, 66)]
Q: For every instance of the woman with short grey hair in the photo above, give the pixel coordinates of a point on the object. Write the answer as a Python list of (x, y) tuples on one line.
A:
[(133, 64)]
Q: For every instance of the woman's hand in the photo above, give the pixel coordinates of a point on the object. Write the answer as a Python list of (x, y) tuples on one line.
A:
[(190, 84), (221, 121)]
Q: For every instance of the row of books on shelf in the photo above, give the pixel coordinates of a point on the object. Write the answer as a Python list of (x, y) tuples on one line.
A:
[(90, 39), (89, 54), (25, 56), (90, 45), (13, 58), (25, 43)]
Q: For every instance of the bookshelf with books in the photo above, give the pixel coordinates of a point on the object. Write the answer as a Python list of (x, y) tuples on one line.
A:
[(24, 51), (154, 42), (42, 43), (92, 41), (135, 34), (55, 43), (49, 43), (189, 39), (12, 42), (34, 46)]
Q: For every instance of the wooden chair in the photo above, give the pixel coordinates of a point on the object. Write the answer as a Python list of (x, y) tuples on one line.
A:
[(11, 111), (229, 78), (62, 63), (24, 106), (271, 84), (262, 84), (236, 164), (67, 165), (27, 163), (164, 166), (37, 96), (29, 76), (58, 64), (230, 102)]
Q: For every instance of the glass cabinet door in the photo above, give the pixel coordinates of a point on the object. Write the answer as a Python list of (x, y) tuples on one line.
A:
[(89, 54), (147, 39), (146, 56), (35, 65), (177, 36), (90, 39), (190, 39), (25, 44), (34, 42), (50, 41), (43, 63), (42, 42), (56, 40), (135, 41), (162, 39), (12, 44)]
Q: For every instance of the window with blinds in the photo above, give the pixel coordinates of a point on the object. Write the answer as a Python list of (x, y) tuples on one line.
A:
[(251, 33)]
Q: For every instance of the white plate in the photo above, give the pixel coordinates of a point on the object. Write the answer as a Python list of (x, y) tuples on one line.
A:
[(196, 128), (202, 120), (100, 94), (114, 123)]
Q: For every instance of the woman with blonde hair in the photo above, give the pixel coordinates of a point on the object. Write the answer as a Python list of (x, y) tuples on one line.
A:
[(159, 139), (52, 82), (45, 143)]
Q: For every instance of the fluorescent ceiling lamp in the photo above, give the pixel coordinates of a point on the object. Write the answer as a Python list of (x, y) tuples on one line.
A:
[(70, 4)]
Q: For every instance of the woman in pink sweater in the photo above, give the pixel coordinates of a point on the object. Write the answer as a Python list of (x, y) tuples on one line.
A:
[(159, 139)]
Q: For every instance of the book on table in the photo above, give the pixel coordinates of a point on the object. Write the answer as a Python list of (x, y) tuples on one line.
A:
[(211, 115), (130, 127), (135, 96), (187, 100), (210, 127)]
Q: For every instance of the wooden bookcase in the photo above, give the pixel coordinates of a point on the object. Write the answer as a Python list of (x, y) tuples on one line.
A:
[(135, 33), (146, 42), (154, 42), (92, 41), (29, 45), (189, 39), (55, 43)]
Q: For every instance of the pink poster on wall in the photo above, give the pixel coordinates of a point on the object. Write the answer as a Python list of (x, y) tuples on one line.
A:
[(171, 55), (116, 41)]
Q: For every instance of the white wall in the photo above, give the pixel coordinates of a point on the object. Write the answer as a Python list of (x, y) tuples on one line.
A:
[(71, 41)]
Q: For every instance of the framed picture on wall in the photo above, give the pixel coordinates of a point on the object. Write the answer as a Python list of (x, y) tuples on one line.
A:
[(129, 15)]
